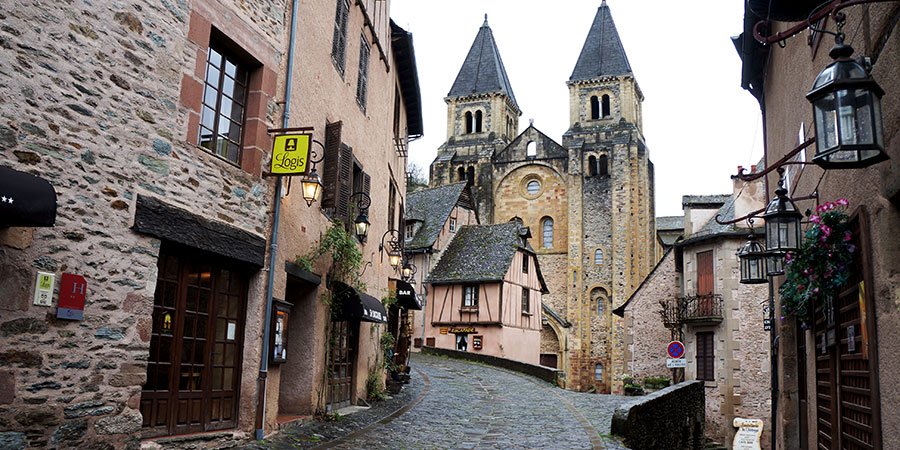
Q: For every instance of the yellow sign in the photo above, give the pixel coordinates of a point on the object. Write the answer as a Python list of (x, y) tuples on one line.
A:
[(290, 153), (444, 330), (462, 330)]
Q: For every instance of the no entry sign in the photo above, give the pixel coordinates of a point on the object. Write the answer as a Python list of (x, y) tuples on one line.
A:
[(675, 349)]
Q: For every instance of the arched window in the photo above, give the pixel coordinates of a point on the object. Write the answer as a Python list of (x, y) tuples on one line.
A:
[(605, 105), (598, 296), (470, 175), (592, 166), (603, 166), (598, 372), (509, 126), (598, 257), (461, 173), (547, 227), (595, 108), (468, 122), (531, 149), (478, 121)]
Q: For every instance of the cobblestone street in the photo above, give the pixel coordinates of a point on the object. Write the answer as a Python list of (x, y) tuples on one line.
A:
[(462, 405)]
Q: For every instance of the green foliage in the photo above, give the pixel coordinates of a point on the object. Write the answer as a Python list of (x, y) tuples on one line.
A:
[(657, 382), (822, 265), (389, 301), (346, 258), (387, 349), (375, 387)]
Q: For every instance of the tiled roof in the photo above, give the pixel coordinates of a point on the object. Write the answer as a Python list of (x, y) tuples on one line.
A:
[(432, 207), (478, 253), (602, 53), (483, 71), (670, 223), (705, 199)]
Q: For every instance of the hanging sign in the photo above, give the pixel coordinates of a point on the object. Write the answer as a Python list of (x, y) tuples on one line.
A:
[(290, 153), (462, 330), (43, 290), (72, 291), (477, 342)]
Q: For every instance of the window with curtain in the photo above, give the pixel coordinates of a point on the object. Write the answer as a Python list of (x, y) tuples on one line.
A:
[(470, 295), (547, 228)]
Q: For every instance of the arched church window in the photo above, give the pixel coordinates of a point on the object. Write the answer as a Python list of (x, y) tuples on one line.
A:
[(470, 175), (531, 149), (547, 228), (461, 174), (598, 372), (592, 166), (478, 121), (603, 166), (598, 257), (595, 108), (605, 106), (468, 122)]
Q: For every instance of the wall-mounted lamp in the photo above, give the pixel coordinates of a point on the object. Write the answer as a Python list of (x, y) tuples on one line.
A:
[(753, 260), (361, 222), (408, 271), (311, 183), (782, 221), (393, 247)]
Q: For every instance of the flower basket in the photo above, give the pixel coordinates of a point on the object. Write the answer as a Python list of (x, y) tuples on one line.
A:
[(822, 265)]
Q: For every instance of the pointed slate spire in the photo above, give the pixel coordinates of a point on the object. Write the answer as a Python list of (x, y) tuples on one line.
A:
[(483, 71), (602, 53)]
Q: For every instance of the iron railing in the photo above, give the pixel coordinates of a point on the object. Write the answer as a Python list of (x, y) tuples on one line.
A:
[(692, 309)]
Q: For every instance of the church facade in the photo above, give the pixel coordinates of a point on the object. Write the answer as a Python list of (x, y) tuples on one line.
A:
[(587, 199)]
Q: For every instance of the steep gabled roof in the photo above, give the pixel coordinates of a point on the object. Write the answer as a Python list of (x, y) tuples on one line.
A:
[(602, 53), (483, 71), (480, 253), (432, 207)]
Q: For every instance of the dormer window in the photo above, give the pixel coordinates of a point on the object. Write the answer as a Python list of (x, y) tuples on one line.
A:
[(452, 225), (410, 230)]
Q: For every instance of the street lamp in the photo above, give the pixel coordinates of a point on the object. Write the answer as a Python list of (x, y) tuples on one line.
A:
[(311, 185), (361, 222), (408, 270), (782, 221), (753, 260), (846, 104), (394, 248)]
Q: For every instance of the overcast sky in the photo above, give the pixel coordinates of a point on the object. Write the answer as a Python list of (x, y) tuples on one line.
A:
[(698, 122)]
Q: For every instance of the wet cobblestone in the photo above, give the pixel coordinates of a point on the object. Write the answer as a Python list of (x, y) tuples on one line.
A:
[(468, 406)]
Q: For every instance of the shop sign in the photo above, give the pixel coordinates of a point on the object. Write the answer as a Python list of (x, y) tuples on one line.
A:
[(444, 330), (72, 291), (290, 153), (43, 290), (462, 330), (476, 342)]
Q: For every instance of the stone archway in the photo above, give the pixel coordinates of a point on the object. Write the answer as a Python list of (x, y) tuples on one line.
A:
[(551, 347)]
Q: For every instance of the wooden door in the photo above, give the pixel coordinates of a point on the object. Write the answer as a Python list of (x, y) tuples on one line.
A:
[(193, 370), (343, 360), (847, 408), (705, 287)]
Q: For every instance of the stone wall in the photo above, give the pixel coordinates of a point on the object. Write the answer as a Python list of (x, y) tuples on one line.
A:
[(646, 336), (94, 101), (671, 418), (544, 373)]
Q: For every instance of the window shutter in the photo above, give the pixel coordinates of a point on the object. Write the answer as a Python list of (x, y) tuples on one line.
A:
[(344, 184), (332, 164), (705, 273)]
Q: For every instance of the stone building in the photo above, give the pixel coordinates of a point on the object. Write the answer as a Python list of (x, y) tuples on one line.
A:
[(485, 294), (694, 295), (837, 379), (589, 199), (150, 121)]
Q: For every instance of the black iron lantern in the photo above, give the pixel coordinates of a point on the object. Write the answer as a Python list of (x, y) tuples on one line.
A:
[(782, 222), (311, 185), (361, 225), (774, 263), (753, 261), (408, 270), (846, 104)]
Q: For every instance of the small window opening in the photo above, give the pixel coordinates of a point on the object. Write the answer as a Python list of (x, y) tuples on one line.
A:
[(478, 121), (605, 106), (598, 372), (547, 227), (595, 108), (592, 166), (468, 122), (470, 175), (603, 166), (531, 149), (598, 257), (461, 174)]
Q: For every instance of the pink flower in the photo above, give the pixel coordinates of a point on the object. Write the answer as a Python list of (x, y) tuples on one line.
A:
[(848, 236), (851, 248), (842, 202), (788, 257), (815, 218), (826, 231), (820, 208)]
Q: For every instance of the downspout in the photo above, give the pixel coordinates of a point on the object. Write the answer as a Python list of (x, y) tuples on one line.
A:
[(273, 245)]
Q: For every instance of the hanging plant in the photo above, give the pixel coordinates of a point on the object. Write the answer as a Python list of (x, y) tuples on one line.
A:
[(822, 265), (346, 257)]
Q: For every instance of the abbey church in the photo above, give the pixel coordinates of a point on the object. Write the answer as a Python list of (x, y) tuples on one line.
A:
[(587, 197)]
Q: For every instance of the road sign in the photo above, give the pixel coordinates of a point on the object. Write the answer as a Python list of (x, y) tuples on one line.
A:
[(290, 153), (675, 349), (676, 363)]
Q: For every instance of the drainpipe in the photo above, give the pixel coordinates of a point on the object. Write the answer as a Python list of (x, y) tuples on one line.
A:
[(273, 246)]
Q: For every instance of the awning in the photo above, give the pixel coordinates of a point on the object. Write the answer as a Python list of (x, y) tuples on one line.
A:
[(358, 305), (26, 200), (406, 296)]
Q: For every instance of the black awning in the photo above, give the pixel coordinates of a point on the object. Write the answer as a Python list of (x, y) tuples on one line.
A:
[(26, 200), (358, 305), (406, 296)]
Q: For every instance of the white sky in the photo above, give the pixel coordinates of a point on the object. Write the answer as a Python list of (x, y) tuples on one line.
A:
[(698, 122)]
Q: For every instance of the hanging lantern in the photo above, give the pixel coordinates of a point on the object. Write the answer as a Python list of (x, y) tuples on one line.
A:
[(361, 225), (394, 258), (846, 104), (408, 270), (753, 261), (782, 222), (774, 263), (311, 185)]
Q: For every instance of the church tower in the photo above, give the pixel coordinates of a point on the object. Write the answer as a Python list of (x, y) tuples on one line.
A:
[(482, 117), (611, 211)]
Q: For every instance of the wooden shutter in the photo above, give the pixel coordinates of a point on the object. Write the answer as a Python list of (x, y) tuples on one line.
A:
[(705, 273), (706, 356), (332, 164), (344, 184)]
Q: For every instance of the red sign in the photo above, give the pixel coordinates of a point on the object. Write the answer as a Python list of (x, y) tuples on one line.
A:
[(675, 349), (72, 290)]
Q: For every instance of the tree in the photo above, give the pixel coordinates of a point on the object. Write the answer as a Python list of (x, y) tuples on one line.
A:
[(416, 179)]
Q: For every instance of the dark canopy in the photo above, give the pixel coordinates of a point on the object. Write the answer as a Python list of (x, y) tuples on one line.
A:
[(406, 296), (25, 200), (358, 305)]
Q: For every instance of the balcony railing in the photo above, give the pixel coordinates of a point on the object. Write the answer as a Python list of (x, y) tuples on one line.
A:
[(694, 309)]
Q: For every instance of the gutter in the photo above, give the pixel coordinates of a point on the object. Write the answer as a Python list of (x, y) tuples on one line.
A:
[(273, 249)]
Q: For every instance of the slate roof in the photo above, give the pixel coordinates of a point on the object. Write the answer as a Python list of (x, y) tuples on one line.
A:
[(602, 53), (480, 253), (670, 223), (432, 207), (707, 200), (483, 71)]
